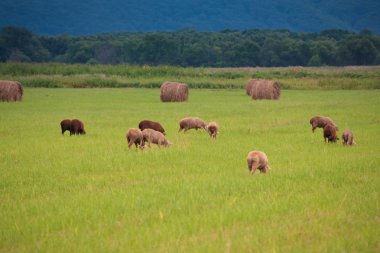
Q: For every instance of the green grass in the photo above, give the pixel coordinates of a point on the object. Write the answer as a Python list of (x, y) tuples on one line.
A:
[(54, 75), (91, 194)]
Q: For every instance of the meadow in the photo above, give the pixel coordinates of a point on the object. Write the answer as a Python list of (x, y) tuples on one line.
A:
[(91, 194), (57, 75)]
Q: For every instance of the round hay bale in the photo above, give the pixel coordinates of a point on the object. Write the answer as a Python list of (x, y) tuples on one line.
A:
[(10, 91), (263, 89), (174, 92), (249, 86)]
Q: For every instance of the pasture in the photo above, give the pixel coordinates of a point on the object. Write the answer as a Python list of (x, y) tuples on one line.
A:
[(91, 194)]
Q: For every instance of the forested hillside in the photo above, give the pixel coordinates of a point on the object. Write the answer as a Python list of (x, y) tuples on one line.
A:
[(227, 48), (74, 17)]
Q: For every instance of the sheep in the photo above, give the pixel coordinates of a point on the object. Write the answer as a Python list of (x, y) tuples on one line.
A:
[(156, 137), (65, 125), (77, 127), (212, 129), (257, 160), (135, 136), (321, 122), (152, 125), (191, 122), (329, 133), (348, 138)]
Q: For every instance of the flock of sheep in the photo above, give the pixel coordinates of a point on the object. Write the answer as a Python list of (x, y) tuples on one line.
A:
[(148, 131), (152, 132), (330, 129)]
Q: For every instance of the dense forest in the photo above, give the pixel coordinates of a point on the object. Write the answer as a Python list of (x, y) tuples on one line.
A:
[(226, 48), (77, 18)]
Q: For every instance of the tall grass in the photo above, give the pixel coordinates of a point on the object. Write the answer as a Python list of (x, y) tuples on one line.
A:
[(91, 194), (94, 76)]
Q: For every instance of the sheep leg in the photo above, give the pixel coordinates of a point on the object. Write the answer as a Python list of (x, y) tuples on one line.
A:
[(253, 169), (141, 144), (252, 166), (130, 143)]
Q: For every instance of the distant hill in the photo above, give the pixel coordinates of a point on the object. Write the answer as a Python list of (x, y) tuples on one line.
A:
[(53, 17)]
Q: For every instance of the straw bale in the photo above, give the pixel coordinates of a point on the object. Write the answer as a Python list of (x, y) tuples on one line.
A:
[(174, 92), (263, 89), (10, 91)]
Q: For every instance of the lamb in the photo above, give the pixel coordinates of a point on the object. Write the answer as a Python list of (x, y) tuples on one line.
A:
[(77, 127), (329, 133), (348, 138), (191, 122), (156, 137), (321, 122), (257, 160), (152, 125), (135, 136), (212, 129), (65, 125)]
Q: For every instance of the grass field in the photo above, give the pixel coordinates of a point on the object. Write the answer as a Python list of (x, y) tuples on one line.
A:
[(55, 75), (91, 194)]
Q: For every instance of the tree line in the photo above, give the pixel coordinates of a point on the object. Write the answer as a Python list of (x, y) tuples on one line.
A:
[(190, 48)]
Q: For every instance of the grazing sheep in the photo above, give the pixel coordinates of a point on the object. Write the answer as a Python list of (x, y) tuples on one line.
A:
[(321, 122), (152, 125), (348, 138), (65, 125), (77, 127), (153, 136), (257, 160), (191, 122), (212, 129), (134, 135), (329, 133)]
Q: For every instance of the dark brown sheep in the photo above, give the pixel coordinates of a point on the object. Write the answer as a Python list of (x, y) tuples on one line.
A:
[(153, 136), (191, 122), (329, 133), (152, 125), (135, 136), (321, 122), (77, 127), (212, 129), (257, 160), (65, 125), (348, 138)]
